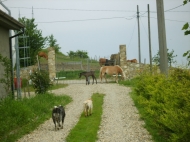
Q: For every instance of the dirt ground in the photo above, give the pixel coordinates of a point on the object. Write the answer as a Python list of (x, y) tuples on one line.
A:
[(120, 119)]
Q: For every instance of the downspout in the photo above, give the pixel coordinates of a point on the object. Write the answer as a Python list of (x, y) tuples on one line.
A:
[(10, 48)]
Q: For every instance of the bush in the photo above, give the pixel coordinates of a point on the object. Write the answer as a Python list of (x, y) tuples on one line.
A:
[(40, 81), (166, 103)]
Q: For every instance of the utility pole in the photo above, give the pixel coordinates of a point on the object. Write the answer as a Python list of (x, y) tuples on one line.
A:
[(162, 37), (150, 52), (139, 48)]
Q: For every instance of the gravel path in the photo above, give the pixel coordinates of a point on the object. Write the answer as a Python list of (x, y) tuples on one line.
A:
[(120, 119)]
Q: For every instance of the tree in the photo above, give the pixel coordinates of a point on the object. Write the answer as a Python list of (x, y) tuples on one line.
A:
[(71, 54), (81, 54), (186, 27), (78, 53), (53, 43), (35, 40), (156, 58)]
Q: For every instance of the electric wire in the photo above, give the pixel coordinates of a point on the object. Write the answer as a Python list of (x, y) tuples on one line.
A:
[(87, 20), (131, 35), (141, 15), (173, 8), (74, 9), (166, 19)]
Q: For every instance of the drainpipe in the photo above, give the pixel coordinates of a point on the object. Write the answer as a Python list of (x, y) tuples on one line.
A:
[(10, 48)]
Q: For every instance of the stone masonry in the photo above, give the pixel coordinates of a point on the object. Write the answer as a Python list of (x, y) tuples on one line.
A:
[(51, 63), (130, 69)]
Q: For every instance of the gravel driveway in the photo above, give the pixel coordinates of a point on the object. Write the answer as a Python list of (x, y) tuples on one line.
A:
[(120, 119)]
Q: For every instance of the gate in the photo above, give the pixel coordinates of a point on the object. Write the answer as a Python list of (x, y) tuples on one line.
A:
[(68, 72)]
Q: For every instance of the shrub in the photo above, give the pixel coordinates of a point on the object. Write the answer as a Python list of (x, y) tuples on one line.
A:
[(166, 103), (40, 81)]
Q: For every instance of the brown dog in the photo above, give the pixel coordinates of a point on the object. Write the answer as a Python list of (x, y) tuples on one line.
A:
[(88, 106)]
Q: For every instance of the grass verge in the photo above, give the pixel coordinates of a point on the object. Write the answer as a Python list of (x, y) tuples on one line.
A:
[(148, 120), (21, 117), (53, 87), (87, 127)]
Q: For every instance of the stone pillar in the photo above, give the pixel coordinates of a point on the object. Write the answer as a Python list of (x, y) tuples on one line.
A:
[(122, 54), (122, 51), (51, 63)]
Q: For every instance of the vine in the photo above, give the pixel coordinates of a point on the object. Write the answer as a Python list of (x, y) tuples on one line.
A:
[(6, 80)]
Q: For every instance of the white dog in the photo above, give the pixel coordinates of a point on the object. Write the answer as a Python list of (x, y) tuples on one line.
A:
[(88, 106)]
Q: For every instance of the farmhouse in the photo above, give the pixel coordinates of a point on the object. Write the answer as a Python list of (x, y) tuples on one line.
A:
[(7, 23)]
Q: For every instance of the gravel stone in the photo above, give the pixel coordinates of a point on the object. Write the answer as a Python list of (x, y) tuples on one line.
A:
[(120, 118)]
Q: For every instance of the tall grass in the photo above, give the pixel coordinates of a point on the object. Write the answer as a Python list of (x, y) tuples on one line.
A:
[(87, 127), (21, 117)]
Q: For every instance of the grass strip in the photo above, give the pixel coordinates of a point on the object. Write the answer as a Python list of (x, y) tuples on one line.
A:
[(21, 117), (87, 127)]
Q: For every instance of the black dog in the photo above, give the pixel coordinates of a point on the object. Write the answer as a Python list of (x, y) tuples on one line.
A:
[(58, 116)]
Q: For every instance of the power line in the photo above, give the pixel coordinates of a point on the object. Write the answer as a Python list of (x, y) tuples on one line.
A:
[(105, 19), (166, 19), (169, 10), (172, 11), (87, 20), (131, 35), (143, 13), (143, 27), (74, 9), (173, 8)]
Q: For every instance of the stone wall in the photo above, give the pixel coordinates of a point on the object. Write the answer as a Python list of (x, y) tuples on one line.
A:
[(130, 69)]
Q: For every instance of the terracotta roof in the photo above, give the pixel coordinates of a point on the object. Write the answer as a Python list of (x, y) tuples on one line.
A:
[(9, 22)]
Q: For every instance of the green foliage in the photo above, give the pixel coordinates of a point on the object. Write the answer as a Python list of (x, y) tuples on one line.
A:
[(6, 63), (24, 82), (78, 53), (21, 117), (40, 81), (185, 2), (53, 43), (130, 83), (186, 27), (87, 127), (188, 55), (35, 40), (156, 58), (166, 104)]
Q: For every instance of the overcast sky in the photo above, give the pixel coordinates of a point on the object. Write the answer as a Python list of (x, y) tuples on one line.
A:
[(100, 26)]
